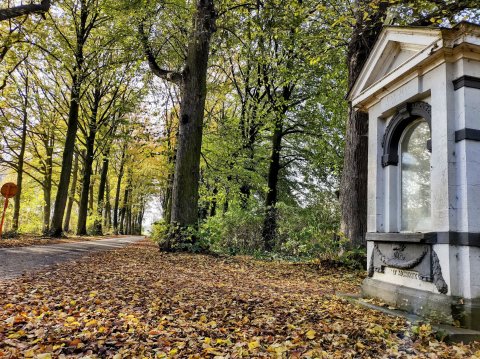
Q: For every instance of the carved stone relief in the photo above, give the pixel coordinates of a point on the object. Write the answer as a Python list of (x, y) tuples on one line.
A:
[(420, 258)]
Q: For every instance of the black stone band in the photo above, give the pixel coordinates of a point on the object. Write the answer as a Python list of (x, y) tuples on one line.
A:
[(452, 238), (466, 81), (467, 134)]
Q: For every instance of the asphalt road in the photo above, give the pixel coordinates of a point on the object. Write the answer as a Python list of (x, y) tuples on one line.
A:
[(15, 261)]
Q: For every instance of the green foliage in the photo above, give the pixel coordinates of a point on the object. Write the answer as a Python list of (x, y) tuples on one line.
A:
[(235, 232), (173, 238)]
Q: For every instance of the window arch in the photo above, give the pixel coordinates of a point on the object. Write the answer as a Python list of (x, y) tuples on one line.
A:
[(405, 115)]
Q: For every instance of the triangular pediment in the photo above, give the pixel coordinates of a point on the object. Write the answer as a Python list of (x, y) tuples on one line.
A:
[(395, 48)]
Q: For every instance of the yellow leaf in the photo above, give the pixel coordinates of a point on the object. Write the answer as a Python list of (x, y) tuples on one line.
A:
[(253, 345), (311, 334), (207, 340), (173, 351), (203, 318), (44, 356), (70, 319), (360, 345), (91, 322)]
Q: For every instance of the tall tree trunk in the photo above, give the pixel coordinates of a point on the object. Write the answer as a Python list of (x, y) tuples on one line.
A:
[(71, 197), (353, 185), (128, 218), (69, 149), (117, 191), (193, 88), (47, 185), (108, 206), (270, 222), (90, 193), (101, 196), (123, 210), (192, 106), (62, 192), (21, 156), (87, 174)]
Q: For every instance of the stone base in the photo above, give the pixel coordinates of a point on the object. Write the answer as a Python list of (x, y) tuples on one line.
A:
[(436, 307), (443, 332)]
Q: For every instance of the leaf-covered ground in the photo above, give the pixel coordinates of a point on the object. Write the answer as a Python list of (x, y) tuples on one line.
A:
[(34, 240), (138, 302)]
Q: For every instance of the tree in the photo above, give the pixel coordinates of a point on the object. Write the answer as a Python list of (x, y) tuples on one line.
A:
[(192, 82), (85, 16)]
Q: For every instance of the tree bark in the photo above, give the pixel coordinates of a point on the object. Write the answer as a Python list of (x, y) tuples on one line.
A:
[(118, 189), (71, 197), (87, 174), (353, 185), (108, 206), (21, 156), (269, 230), (192, 81), (123, 210), (101, 196), (69, 149), (192, 106), (47, 186)]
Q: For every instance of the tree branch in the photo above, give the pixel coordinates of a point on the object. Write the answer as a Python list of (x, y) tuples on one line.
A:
[(16, 11), (172, 76)]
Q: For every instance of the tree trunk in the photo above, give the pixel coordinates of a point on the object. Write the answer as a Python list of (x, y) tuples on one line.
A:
[(71, 197), (101, 196), (21, 156), (128, 219), (123, 210), (353, 185), (47, 187), (117, 191), (193, 88), (87, 174), (187, 163), (69, 149), (90, 193), (270, 222), (108, 206), (62, 192), (47, 204)]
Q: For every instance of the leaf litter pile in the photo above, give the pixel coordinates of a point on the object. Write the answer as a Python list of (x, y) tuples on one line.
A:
[(137, 302)]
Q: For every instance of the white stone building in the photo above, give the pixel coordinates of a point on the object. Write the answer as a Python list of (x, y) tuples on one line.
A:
[(421, 89)]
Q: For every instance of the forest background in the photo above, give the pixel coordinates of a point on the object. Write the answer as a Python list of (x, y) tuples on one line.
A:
[(94, 105)]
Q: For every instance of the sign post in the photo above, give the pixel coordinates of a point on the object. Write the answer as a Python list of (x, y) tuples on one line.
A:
[(8, 191)]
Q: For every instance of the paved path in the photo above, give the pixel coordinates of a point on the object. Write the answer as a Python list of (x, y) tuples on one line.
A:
[(15, 261)]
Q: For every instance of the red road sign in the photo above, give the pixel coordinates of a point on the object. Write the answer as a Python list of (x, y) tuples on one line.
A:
[(9, 190)]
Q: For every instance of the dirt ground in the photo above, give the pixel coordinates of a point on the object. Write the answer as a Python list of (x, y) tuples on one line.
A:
[(136, 302)]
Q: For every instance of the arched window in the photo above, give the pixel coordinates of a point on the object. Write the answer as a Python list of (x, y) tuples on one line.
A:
[(415, 177)]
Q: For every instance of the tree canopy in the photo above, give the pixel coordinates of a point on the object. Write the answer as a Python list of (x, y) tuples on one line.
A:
[(223, 121)]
